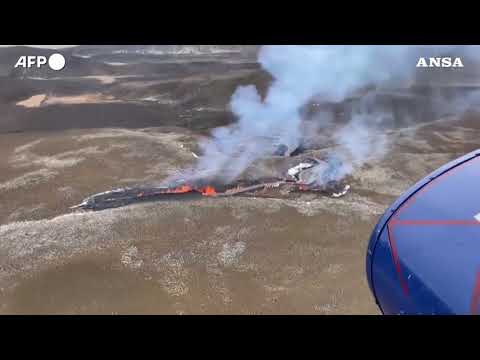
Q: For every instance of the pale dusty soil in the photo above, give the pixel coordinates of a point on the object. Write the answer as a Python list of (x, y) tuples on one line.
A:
[(34, 101), (43, 100)]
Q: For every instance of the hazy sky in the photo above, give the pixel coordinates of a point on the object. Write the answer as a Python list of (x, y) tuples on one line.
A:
[(43, 46)]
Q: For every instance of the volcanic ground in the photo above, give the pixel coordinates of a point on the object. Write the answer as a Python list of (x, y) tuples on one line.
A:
[(114, 119)]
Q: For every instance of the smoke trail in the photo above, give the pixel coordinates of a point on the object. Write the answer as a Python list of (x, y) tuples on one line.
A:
[(300, 73)]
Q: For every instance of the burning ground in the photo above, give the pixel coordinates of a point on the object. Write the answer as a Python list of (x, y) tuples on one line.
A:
[(268, 252)]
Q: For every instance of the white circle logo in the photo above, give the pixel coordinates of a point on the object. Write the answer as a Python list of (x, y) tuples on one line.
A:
[(56, 62)]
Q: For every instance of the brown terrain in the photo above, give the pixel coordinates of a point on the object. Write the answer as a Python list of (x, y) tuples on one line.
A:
[(63, 138)]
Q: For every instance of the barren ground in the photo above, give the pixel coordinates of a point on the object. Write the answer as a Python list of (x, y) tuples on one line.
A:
[(204, 256)]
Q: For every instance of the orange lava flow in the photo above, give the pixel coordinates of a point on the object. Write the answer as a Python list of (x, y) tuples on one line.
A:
[(181, 189), (209, 191)]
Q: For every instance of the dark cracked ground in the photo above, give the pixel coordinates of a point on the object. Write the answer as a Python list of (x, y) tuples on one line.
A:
[(113, 122)]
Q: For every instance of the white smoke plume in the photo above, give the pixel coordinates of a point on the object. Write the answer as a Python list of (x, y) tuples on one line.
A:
[(300, 73)]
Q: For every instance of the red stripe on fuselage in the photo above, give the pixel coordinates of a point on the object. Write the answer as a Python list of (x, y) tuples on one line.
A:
[(396, 260)]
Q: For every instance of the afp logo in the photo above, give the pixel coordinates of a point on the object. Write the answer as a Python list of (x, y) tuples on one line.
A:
[(440, 62), (55, 61)]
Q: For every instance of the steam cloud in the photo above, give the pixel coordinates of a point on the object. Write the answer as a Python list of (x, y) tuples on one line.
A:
[(301, 73)]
